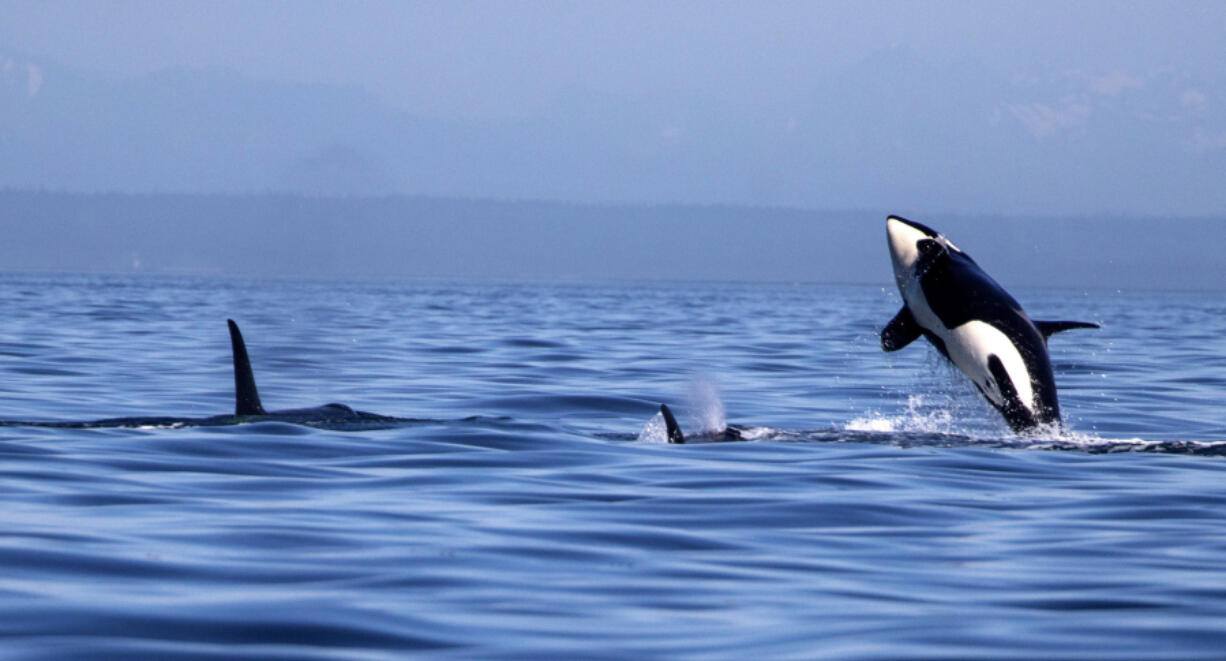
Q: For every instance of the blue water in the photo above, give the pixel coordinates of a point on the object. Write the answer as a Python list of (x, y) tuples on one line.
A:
[(529, 508)]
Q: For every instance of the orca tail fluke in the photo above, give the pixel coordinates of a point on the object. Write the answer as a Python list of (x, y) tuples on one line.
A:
[(246, 397), (1049, 328), (670, 424)]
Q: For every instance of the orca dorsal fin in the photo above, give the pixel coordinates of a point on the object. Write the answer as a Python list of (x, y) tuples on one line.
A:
[(1049, 328), (670, 424), (246, 397), (901, 331)]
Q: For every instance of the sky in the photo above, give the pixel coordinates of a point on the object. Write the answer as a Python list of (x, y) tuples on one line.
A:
[(957, 107), (492, 59)]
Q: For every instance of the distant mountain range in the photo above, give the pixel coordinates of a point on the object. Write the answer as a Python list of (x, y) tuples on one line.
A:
[(893, 132), (277, 235)]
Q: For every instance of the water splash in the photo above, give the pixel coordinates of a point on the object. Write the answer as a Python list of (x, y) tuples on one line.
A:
[(942, 401), (706, 407), (921, 415), (925, 424), (654, 431)]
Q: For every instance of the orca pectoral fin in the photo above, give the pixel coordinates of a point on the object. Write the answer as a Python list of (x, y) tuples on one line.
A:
[(1049, 328), (670, 424), (901, 331), (246, 397)]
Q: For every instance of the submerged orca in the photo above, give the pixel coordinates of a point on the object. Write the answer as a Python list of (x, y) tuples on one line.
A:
[(673, 431), (974, 323), (247, 406)]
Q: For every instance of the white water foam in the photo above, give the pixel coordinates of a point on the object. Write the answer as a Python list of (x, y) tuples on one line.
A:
[(931, 415), (654, 431), (921, 416)]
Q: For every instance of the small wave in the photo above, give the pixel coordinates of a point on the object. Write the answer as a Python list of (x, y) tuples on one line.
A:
[(1073, 441), (759, 433), (171, 425), (1049, 438)]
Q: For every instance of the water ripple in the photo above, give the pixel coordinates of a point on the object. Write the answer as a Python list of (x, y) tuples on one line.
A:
[(882, 510)]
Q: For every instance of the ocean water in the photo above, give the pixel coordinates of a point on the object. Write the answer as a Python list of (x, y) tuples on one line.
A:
[(526, 506)]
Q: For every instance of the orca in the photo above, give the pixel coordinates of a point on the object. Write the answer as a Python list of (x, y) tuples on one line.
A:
[(247, 403), (673, 431), (974, 323), (247, 407)]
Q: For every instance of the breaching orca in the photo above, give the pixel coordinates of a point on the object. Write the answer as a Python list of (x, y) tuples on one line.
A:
[(974, 323), (247, 406), (673, 431)]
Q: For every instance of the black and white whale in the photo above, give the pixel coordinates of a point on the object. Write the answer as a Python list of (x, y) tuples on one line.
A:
[(673, 431), (247, 407), (973, 322)]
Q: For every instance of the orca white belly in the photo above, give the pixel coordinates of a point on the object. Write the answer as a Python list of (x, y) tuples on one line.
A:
[(970, 345)]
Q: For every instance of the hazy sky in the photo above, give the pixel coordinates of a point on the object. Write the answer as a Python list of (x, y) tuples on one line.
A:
[(508, 58), (1034, 107)]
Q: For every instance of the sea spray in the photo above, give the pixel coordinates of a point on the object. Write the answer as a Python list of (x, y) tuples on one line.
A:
[(706, 406), (654, 430)]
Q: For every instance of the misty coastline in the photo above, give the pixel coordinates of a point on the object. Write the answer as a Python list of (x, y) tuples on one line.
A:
[(298, 236)]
